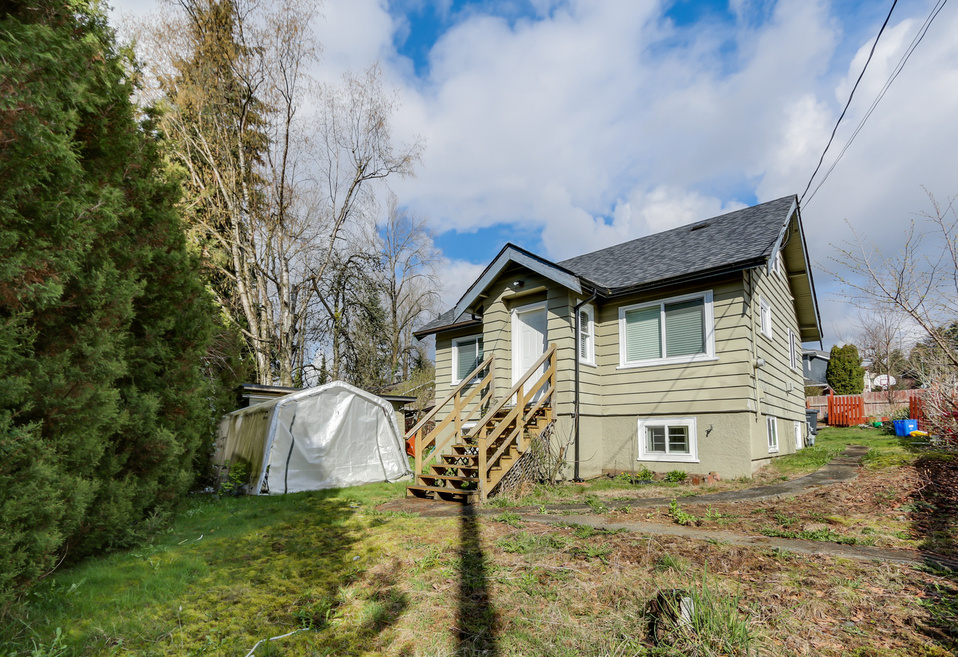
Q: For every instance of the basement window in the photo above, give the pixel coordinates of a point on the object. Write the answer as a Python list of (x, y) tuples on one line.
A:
[(668, 439)]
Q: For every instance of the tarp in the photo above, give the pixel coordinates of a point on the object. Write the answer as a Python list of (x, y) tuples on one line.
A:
[(331, 436)]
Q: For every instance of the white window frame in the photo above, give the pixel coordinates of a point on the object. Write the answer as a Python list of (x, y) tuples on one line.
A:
[(678, 457), (794, 350), (765, 318), (455, 355), (799, 438), (589, 329), (709, 353), (771, 432)]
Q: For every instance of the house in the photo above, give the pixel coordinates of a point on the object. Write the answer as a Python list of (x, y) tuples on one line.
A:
[(814, 364), (676, 351)]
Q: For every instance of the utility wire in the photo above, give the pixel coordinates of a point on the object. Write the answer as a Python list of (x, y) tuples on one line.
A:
[(891, 78), (850, 96)]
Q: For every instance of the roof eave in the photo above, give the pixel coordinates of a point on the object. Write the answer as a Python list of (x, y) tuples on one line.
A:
[(518, 255), (419, 335), (689, 278)]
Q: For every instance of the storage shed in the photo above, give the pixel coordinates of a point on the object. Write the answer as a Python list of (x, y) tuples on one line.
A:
[(331, 436)]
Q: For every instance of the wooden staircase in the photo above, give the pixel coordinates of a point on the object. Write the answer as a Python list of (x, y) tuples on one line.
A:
[(468, 458)]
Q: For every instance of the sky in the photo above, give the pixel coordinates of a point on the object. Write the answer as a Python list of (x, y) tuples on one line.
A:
[(565, 126)]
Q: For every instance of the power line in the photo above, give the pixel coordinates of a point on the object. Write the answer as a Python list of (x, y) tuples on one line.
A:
[(850, 96), (891, 78)]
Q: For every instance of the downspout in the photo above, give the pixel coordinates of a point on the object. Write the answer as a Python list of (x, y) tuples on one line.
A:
[(575, 337), (754, 360)]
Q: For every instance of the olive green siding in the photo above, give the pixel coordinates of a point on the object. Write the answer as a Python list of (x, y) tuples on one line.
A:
[(728, 396), (781, 389), (719, 385)]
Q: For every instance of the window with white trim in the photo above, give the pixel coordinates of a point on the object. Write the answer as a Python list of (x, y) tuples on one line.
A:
[(771, 427), (799, 438), (668, 439), (586, 341), (675, 330), (794, 350), (466, 356), (765, 313)]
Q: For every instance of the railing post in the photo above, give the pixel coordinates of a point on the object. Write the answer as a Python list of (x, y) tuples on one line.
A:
[(481, 445), (457, 409), (418, 443)]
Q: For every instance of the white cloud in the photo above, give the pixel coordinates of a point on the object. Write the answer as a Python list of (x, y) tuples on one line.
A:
[(599, 122)]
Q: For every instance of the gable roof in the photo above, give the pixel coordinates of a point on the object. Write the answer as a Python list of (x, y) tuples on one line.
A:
[(733, 241), (727, 243)]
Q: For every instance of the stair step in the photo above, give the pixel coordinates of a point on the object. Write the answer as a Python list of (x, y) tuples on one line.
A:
[(453, 482), (443, 494)]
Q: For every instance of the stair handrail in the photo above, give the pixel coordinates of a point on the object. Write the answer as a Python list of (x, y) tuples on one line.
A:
[(522, 419), (512, 391), (415, 432)]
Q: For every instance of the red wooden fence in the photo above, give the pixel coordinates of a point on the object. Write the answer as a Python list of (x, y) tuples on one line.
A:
[(916, 411), (846, 410), (877, 404)]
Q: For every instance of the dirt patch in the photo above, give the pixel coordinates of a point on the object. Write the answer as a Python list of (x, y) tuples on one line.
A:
[(877, 508)]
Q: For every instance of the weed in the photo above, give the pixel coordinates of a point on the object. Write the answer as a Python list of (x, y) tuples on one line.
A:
[(675, 476), (709, 625), (237, 478), (783, 520), (713, 515), (526, 543), (680, 516), (668, 562), (509, 518), (56, 648), (596, 505), (592, 551)]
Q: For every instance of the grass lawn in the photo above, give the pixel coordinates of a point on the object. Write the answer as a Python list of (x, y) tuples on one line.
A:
[(231, 572)]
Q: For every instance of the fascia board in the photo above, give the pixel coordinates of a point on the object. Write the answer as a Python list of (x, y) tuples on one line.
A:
[(781, 235), (808, 272), (508, 255)]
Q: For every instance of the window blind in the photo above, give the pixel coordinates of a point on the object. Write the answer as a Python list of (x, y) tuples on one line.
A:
[(643, 334), (685, 328), (469, 356)]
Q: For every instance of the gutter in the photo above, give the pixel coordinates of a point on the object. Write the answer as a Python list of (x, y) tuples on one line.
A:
[(575, 337)]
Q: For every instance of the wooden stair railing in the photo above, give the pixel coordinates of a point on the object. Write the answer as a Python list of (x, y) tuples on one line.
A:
[(422, 440), (482, 456)]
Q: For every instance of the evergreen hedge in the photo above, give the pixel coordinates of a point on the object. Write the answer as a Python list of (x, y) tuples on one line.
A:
[(104, 321)]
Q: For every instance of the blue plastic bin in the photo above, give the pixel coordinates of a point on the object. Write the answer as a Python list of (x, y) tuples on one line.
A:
[(905, 427)]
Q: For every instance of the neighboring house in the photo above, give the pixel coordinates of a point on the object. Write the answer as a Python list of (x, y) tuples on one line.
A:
[(686, 344), (814, 364)]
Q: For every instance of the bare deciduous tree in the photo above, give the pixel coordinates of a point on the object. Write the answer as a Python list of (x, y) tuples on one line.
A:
[(920, 282), (276, 165), (410, 282)]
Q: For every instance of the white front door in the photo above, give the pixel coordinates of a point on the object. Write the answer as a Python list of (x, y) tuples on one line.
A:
[(529, 339)]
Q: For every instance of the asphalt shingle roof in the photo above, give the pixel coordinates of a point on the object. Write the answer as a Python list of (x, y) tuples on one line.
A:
[(737, 239), (721, 242)]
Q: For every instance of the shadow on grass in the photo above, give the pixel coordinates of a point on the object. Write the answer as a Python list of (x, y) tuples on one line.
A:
[(228, 573), (477, 621)]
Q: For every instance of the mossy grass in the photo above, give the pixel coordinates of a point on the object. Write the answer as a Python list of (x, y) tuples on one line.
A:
[(212, 577)]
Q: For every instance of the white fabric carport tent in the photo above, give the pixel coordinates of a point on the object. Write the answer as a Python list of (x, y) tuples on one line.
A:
[(330, 436)]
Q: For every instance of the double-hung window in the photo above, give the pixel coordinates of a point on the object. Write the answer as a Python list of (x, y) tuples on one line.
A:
[(668, 439), (466, 356), (586, 342), (765, 311), (771, 427), (676, 330), (794, 350)]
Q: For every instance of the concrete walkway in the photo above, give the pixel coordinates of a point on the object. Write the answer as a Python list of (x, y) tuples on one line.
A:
[(841, 469)]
